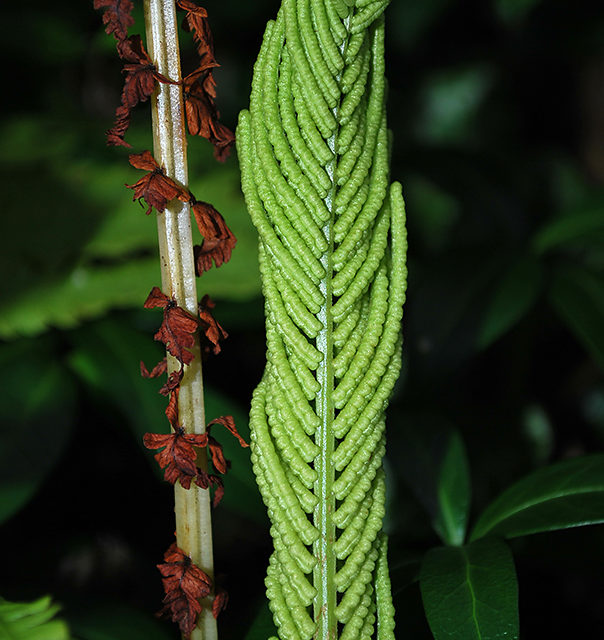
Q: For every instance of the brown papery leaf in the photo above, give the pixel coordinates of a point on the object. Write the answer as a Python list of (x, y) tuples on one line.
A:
[(173, 382), (172, 410), (229, 423), (177, 456), (116, 17), (221, 464), (202, 114), (139, 83), (218, 239), (220, 602), (197, 23), (178, 328), (185, 584), (211, 329), (206, 480), (160, 368), (155, 187)]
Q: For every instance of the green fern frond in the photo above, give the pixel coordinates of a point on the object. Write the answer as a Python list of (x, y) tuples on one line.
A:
[(31, 621), (314, 155)]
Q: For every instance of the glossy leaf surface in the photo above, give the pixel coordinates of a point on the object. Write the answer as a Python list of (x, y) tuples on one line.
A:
[(471, 592), (434, 465), (563, 495)]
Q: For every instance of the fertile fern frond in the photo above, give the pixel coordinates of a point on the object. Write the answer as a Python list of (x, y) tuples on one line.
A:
[(314, 155)]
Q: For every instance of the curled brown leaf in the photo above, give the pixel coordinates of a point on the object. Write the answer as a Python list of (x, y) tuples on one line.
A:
[(210, 328), (229, 423), (177, 455), (155, 187), (178, 328), (185, 584), (218, 239)]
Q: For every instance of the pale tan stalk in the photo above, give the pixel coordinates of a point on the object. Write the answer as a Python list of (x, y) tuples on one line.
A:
[(192, 506)]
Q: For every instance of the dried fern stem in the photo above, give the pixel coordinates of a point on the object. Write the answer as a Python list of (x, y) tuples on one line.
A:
[(314, 155), (192, 506)]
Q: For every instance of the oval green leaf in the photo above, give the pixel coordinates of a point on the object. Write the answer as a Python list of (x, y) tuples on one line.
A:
[(471, 592), (563, 495)]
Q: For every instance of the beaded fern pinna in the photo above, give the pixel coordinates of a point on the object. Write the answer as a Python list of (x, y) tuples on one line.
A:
[(314, 154)]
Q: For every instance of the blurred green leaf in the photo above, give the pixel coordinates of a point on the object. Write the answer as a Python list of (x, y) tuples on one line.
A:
[(449, 303), (515, 10), (577, 295), (471, 592), (83, 293), (435, 466), (563, 495), (539, 433), (107, 357), (411, 20), (437, 211), (116, 622), (263, 627), (513, 297), (87, 247), (31, 621), (580, 227), (450, 101), (36, 419)]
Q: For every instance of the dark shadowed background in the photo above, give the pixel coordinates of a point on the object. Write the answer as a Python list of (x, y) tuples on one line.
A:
[(497, 114)]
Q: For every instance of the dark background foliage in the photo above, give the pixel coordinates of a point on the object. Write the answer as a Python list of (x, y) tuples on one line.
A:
[(497, 111)]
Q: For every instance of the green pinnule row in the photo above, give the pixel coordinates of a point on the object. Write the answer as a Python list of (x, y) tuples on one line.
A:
[(314, 160)]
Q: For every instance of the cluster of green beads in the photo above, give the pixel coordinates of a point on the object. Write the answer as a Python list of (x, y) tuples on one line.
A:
[(314, 154)]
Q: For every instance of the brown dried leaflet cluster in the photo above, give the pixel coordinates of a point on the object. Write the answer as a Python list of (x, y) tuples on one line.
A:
[(178, 452)]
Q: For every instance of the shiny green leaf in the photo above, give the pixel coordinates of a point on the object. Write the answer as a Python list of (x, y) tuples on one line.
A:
[(471, 592), (563, 495), (435, 466)]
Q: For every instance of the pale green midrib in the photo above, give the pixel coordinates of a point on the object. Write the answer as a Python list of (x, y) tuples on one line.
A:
[(472, 594), (325, 571)]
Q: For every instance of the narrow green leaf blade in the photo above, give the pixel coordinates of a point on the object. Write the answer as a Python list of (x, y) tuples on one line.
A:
[(435, 467), (581, 226), (514, 296), (453, 492), (471, 592), (563, 495), (577, 295)]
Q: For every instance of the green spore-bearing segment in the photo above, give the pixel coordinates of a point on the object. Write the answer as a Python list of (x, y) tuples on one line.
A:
[(314, 159)]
